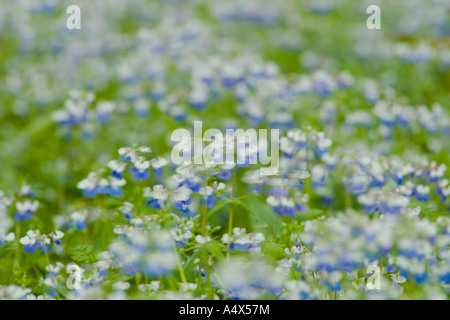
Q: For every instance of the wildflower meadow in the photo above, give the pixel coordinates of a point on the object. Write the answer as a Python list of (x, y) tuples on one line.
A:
[(225, 150)]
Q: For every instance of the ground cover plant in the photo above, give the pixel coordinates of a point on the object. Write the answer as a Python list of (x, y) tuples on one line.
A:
[(93, 205)]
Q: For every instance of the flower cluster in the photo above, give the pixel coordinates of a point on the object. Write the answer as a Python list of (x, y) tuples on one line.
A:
[(242, 241), (35, 240), (249, 280), (150, 253), (98, 183), (403, 247), (355, 205)]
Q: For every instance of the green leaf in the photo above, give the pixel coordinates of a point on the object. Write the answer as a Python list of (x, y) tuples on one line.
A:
[(272, 249), (264, 218), (84, 254), (243, 205), (310, 214), (219, 206), (433, 216), (190, 261), (251, 196), (223, 203), (216, 248)]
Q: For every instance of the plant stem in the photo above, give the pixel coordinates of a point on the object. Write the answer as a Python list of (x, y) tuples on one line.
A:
[(348, 199), (199, 278), (17, 253), (231, 212), (276, 227), (230, 220), (207, 269), (205, 221), (180, 267), (307, 182), (233, 191), (210, 295), (220, 281), (49, 268)]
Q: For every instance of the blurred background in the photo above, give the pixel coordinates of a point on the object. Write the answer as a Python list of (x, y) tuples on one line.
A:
[(139, 69)]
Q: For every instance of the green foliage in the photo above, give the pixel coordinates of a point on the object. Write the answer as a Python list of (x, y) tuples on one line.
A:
[(84, 254)]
